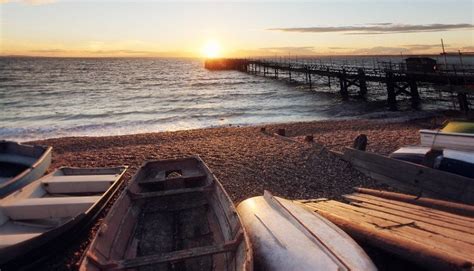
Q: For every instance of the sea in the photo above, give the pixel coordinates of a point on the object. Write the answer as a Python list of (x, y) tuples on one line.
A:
[(58, 97)]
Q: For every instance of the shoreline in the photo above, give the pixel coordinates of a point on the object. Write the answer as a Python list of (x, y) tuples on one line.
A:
[(378, 116), (219, 144)]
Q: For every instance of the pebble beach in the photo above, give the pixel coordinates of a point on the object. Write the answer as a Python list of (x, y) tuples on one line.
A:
[(246, 160)]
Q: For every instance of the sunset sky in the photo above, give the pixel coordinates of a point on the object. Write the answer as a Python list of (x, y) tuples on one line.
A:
[(165, 28)]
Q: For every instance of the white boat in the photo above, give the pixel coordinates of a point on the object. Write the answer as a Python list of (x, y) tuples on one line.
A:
[(47, 214), (21, 164), (287, 236), (456, 135), (454, 161)]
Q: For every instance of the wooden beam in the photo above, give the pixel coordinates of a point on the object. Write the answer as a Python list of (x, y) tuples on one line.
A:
[(174, 256), (146, 195), (438, 183), (423, 251), (448, 206)]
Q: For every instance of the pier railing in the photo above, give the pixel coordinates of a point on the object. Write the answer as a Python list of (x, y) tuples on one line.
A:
[(399, 78)]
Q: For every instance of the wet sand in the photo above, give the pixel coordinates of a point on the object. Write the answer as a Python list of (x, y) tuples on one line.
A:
[(244, 159)]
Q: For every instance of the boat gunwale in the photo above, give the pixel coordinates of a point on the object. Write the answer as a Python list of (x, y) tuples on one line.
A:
[(46, 153), (36, 244), (89, 252), (441, 133)]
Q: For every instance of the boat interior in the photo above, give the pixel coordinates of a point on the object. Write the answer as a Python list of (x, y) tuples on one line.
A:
[(52, 201), (174, 216), (16, 158)]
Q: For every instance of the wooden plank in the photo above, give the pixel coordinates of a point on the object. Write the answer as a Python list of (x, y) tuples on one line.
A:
[(408, 172), (405, 230), (429, 214), (432, 241), (172, 256), (146, 195), (418, 210), (405, 248), (415, 175), (429, 220), (408, 184), (452, 207), (167, 181), (400, 231), (407, 188), (463, 236), (449, 185)]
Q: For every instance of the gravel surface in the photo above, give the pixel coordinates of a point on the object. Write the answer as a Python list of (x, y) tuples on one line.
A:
[(244, 159)]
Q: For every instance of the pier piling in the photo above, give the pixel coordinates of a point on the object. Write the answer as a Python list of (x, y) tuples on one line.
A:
[(399, 80)]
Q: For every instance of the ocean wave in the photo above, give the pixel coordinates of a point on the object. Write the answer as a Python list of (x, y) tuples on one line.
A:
[(129, 96)]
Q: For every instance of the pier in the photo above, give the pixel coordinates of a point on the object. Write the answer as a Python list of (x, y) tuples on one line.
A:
[(399, 79)]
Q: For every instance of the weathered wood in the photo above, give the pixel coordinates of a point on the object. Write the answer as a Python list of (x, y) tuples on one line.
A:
[(146, 195), (344, 87), (166, 182), (173, 256), (309, 138), (448, 206), (440, 183), (194, 228), (281, 132), (409, 215), (408, 228), (403, 229), (463, 102), (415, 96), (362, 82), (416, 251), (463, 234), (391, 95), (412, 209), (360, 143)]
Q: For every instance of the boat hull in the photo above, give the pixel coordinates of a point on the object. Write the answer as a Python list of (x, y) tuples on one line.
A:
[(287, 236), (43, 246), (12, 154), (453, 161), (173, 215), (446, 140)]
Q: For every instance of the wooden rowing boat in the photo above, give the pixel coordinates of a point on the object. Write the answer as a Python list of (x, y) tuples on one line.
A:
[(21, 164), (174, 215), (412, 178), (287, 236), (47, 214)]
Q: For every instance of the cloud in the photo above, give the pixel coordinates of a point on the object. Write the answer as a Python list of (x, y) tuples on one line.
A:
[(423, 47), (339, 48), (49, 51), (377, 28), (129, 52), (281, 51), (381, 50), (104, 53)]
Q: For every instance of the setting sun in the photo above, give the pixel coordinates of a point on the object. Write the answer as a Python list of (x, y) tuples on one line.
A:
[(211, 49)]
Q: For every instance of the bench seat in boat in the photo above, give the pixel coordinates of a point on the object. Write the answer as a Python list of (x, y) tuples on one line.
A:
[(78, 183), (41, 208), (11, 234)]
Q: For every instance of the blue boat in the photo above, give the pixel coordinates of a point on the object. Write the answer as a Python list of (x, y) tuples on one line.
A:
[(20, 164)]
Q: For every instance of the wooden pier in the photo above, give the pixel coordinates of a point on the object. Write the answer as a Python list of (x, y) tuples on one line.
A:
[(399, 80)]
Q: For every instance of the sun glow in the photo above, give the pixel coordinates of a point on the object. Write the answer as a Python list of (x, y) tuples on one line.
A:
[(211, 49)]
